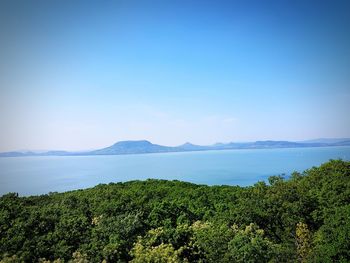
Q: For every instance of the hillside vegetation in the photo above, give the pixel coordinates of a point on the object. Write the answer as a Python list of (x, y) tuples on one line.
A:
[(303, 219)]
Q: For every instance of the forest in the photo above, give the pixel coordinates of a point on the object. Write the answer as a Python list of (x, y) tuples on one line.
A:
[(304, 217)]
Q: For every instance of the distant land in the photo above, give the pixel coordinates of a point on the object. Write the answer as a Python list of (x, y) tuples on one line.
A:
[(144, 146)]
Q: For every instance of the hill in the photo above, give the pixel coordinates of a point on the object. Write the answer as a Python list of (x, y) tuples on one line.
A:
[(327, 140), (132, 147), (143, 146)]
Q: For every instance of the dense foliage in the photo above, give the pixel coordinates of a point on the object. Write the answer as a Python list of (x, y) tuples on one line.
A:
[(305, 218)]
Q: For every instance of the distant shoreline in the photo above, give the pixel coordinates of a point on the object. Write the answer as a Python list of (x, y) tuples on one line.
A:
[(146, 147)]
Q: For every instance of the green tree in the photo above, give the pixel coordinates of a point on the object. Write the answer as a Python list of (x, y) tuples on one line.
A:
[(303, 239), (249, 245)]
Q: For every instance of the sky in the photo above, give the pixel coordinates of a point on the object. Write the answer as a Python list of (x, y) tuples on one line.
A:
[(78, 75)]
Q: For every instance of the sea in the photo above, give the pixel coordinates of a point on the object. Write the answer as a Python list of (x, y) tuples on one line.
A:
[(44, 174)]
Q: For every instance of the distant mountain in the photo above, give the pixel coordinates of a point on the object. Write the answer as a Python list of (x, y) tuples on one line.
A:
[(275, 144), (143, 146), (16, 154), (31, 153), (192, 147), (327, 140), (130, 147), (342, 143), (56, 153), (258, 145)]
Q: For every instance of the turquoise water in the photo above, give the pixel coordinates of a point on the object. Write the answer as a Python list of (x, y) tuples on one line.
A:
[(40, 175)]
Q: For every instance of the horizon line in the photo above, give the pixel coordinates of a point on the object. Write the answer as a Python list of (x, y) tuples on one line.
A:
[(187, 142)]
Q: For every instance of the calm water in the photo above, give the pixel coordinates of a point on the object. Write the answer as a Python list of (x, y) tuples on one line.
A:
[(39, 175)]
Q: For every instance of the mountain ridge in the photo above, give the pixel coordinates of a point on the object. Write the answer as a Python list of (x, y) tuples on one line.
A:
[(144, 146)]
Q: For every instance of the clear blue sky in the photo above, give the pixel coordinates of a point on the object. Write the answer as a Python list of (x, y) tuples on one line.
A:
[(84, 74)]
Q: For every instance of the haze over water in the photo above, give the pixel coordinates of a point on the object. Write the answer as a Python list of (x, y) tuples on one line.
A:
[(41, 175)]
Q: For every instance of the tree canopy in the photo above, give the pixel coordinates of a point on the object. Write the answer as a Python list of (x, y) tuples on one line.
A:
[(302, 218)]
